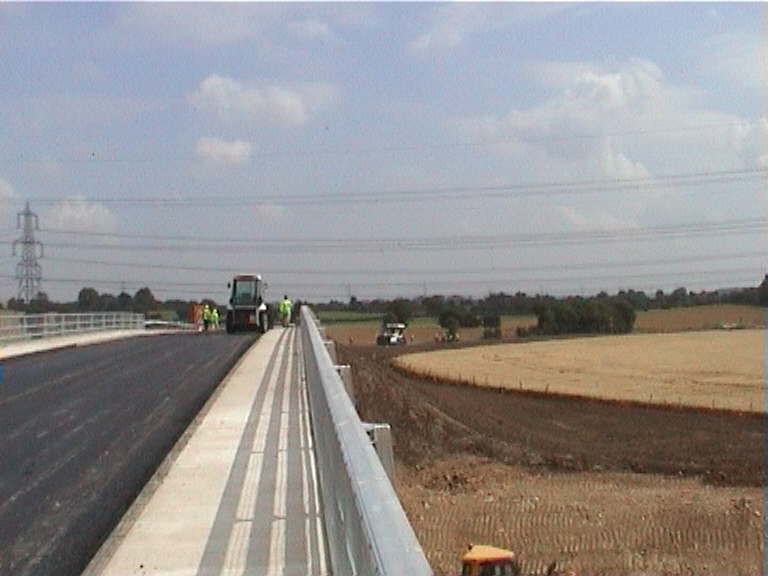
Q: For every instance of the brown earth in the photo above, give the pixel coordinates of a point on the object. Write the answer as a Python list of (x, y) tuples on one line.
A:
[(600, 487)]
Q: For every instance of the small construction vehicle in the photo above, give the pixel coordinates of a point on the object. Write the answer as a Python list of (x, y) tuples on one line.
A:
[(480, 560), (391, 334), (246, 310)]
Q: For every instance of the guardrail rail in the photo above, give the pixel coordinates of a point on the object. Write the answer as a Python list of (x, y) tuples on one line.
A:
[(20, 327), (368, 532)]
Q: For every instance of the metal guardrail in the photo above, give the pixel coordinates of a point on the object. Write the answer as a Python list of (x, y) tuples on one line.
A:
[(21, 327), (368, 531)]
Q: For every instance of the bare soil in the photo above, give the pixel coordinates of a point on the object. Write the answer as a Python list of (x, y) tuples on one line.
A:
[(600, 487)]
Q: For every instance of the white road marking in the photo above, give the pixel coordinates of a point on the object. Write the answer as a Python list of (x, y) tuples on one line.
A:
[(276, 565), (304, 480), (313, 474), (237, 550), (246, 508), (281, 485), (277, 549)]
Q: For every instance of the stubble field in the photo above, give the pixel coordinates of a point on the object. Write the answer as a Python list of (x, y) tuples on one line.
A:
[(720, 369)]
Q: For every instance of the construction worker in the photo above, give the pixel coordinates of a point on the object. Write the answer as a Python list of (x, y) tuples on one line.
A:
[(285, 310), (215, 318), (206, 317)]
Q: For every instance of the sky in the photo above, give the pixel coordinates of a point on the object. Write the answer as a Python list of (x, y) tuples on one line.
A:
[(383, 150)]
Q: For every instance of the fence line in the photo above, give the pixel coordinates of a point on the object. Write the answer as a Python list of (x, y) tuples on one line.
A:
[(21, 327)]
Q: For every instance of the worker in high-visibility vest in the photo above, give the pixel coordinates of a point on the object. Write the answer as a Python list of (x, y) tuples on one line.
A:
[(206, 317), (215, 318), (285, 310)]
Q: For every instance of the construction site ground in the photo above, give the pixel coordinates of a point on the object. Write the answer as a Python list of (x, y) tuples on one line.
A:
[(600, 487)]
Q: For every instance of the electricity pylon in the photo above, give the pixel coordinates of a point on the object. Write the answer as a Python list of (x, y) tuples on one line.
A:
[(28, 272)]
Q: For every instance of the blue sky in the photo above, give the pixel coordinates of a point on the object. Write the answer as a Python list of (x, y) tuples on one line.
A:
[(385, 149)]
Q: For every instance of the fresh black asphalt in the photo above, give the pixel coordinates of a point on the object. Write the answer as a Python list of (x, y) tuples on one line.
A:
[(81, 432)]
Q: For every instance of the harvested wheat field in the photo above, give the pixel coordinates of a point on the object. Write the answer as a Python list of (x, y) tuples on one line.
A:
[(721, 369), (710, 317)]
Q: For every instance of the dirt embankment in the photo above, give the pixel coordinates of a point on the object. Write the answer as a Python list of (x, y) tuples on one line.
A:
[(679, 490)]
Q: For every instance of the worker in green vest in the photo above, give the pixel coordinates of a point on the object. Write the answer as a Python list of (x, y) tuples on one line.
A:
[(285, 310), (206, 317)]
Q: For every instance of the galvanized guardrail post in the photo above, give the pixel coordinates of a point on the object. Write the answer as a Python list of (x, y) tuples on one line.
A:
[(368, 531)]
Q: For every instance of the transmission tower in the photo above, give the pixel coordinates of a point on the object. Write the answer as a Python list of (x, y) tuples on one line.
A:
[(28, 272)]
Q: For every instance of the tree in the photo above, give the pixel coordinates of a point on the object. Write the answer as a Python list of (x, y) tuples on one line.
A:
[(451, 325), (434, 305), (143, 301), (762, 292), (401, 310), (679, 297), (491, 326), (107, 303), (623, 317), (88, 300), (40, 304), (124, 302)]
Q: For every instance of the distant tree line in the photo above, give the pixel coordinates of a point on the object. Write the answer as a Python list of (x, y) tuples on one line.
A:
[(602, 313), (598, 315), (90, 300)]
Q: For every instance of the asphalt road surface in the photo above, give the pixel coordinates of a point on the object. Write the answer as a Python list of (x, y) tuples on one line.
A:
[(83, 429)]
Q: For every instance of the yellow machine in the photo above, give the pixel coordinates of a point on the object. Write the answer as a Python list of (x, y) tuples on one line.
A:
[(489, 561), (482, 560)]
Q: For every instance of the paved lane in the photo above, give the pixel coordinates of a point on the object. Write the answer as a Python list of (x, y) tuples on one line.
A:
[(82, 430), (241, 497)]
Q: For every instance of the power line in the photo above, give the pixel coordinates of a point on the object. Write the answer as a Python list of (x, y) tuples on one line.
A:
[(94, 158), (507, 190), (741, 272), (436, 243), (419, 271)]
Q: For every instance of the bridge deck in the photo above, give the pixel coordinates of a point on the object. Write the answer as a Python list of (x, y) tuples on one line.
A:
[(241, 496)]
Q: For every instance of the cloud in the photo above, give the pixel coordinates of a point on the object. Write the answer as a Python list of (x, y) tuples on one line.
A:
[(222, 152), (448, 26), (78, 215), (736, 57), (752, 144), (311, 30), (6, 190), (271, 212), (69, 112), (596, 220), (285, 105), (589, 103), (199, 23), (636, 86), (7, 197)]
